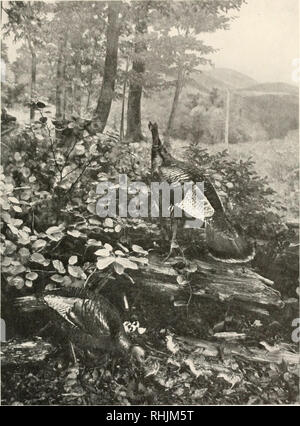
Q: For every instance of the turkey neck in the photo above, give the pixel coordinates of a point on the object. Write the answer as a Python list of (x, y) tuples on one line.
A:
[(123, 343), (159, 152)]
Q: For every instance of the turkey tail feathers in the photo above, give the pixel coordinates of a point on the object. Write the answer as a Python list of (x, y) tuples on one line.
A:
[(225, 243)]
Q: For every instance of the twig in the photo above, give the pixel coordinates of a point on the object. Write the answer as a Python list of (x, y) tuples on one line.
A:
[(79, 177), (88, 278), (52, 145)]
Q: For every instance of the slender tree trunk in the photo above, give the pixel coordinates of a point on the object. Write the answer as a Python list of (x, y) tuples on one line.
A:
[(65, 103), (123, 102), (60, 80), (226, 136), (178, 89), (59, 85), (134, 122), (91, 75), (65, 90), (88, 100), (110, 67), (89, 91), (77, 85), (33, 78)]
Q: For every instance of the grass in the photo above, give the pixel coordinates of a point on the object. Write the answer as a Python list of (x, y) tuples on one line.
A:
[(276, 159)]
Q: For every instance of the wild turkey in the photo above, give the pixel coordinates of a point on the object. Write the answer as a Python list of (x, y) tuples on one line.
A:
[(93, 324), (225, 242)]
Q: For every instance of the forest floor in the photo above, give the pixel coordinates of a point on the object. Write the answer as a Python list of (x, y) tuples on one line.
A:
[(176, 372)]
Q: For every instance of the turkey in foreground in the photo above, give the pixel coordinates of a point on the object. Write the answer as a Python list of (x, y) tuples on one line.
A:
[(225, 242), (93, 324)]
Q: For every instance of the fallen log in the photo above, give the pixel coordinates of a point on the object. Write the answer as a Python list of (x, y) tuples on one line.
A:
[(212, 280), (17, 352), (277, 354), (234, 285)]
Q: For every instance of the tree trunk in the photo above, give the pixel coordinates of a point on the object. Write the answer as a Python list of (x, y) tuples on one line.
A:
[(110, 67), (90, 88), (123, 103), (33, 81), (134, 124), (178, 89), (65, 94), (60, 81), (77, 85), (65, 103)]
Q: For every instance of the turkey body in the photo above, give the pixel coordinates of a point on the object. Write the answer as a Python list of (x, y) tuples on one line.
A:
[(90, 323), (225, 242)]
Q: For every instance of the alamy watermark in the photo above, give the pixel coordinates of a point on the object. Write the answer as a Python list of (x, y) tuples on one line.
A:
[(296, 331), (160, 199), (3, 331)]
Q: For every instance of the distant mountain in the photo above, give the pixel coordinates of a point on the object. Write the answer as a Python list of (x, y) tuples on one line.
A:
[(220, 78), (268, 110), (231, 78), (273, 88)]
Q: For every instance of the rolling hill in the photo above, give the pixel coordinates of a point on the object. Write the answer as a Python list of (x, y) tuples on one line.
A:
[(268, 110)]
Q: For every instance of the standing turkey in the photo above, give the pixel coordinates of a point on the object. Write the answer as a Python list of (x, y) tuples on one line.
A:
[(224, 241), (93, 324)]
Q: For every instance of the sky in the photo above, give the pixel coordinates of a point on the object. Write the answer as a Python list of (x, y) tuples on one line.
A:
[(262, 42)]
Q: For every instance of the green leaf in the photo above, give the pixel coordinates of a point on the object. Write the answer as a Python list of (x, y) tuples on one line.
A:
[(32, 276), (67, 281), (108, 223), (53, 230), (6, 261), (24, 254), (76, 272), (138, 249), (40, 105), (92, 209), (17, 222), (143, 260), (59, 266), (17, 282), (102, 252), (73, 260), (6, 216), (17, 156), (39, 258), (93, 242), (57, 278), (74, 233), (126, 263), (181, 280), (118, 228), (38, 244), (13, 229), (13, 200), (56, 236), (104, 262), (4, 204), (118, 268)]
